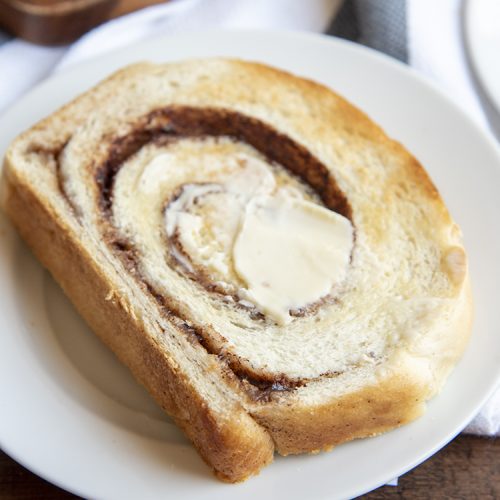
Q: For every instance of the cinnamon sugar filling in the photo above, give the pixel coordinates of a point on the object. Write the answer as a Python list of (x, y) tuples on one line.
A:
[(165, 126)]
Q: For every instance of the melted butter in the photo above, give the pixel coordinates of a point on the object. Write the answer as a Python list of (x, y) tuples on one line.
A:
[(205, 217), (290, 253), (248, 225)]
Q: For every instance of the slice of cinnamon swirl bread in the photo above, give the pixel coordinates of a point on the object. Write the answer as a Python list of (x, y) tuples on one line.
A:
[(278, 273)]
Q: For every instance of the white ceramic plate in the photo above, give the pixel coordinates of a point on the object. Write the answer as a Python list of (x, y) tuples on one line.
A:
[(482, 34), (73, 415)]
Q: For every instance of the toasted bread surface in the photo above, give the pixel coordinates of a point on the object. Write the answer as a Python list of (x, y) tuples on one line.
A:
[(240, 386)]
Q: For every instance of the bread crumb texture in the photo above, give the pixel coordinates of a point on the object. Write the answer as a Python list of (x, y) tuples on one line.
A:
[(88, 194)]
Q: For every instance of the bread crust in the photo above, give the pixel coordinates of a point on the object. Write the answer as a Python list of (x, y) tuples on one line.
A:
[(394, 401), (239, 443), (236, 447)]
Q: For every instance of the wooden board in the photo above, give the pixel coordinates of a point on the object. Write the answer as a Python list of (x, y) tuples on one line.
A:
[(57, 22)]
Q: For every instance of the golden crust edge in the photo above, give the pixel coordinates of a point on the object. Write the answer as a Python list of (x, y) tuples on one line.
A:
[(361, 122), (396, 400), (235, 448)]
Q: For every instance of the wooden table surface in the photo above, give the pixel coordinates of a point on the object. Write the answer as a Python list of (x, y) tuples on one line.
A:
[(469, 467)]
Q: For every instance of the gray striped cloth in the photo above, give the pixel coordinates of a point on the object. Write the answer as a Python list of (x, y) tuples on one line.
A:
[(379, 25)]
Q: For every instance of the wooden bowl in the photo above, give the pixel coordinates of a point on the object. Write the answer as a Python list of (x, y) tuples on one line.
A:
[(57, 22)]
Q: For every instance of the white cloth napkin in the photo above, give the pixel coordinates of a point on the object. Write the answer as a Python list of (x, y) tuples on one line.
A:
[(434, 48)]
